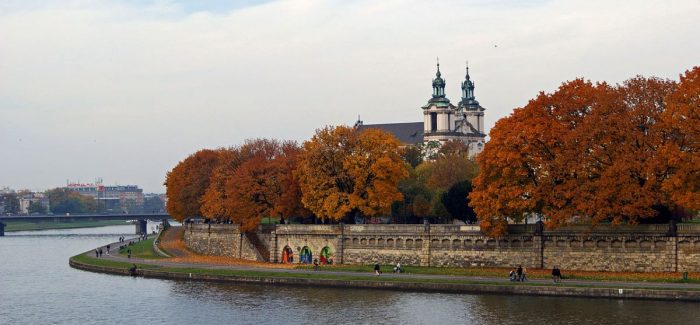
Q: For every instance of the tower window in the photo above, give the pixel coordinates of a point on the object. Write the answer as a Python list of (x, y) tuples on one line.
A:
[(433, 122)]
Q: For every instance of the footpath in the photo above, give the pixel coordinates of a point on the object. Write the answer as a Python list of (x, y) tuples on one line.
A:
[(166, 268)]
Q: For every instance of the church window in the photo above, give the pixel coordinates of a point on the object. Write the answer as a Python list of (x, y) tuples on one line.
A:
[(433, 122)]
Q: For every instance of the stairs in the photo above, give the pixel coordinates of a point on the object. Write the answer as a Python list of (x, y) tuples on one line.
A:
[(259, 246)]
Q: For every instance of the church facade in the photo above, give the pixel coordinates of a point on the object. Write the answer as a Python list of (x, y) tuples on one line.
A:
[(443, 121)]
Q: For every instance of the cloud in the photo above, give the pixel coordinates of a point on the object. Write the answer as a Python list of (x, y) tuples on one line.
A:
[(124, 90)]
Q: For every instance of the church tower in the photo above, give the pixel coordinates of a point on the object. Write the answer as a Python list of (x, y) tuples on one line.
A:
[(470, 120), (438, 113)]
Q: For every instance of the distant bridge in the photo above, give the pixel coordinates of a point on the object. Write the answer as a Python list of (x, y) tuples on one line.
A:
[(140, 218)]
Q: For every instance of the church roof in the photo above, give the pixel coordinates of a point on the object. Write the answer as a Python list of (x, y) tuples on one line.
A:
[(407, 133)]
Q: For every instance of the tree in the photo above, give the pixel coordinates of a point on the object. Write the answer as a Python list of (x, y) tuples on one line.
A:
[(264, 185), (10, 202), (186, 183), (36, 207), (343, 171), (456, 202), (153, 204), (682, 120), (586, 152), (63, 200)]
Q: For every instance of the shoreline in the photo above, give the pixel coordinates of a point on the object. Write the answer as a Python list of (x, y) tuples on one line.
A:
[(59, 225), (327, 279)]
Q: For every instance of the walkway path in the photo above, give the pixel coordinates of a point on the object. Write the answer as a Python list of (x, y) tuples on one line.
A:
[(114, 256)]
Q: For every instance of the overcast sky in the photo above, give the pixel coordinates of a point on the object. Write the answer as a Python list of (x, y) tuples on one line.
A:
[(123, 90)]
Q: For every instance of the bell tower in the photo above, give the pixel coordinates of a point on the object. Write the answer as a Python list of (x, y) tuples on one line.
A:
[(438, 113)]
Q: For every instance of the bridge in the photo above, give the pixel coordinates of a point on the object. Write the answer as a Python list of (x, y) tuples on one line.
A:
[(141, 219)]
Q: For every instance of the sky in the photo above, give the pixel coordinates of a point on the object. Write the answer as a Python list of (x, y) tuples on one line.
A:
[(124, 90)]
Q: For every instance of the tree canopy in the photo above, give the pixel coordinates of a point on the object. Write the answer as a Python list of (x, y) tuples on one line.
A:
[(592, 152)]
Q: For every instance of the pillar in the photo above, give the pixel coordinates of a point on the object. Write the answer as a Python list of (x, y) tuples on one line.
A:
[(141, 227), (2, 229)]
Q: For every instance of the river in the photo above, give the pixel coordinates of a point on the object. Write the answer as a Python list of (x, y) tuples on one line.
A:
[(38, 287)]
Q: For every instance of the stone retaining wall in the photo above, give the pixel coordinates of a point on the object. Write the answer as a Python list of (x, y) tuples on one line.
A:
[(220, 240), (643, 248)]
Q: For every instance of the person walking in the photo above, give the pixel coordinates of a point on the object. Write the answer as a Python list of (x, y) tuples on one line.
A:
[(97, 253), (556, 274), (524, 278), (377, 270), (519, 273)]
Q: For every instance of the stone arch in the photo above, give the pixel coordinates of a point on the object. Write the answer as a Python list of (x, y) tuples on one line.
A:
[(645, 244), (348, 242), (380, 242), (445, 244), (616, 243), (516, 243), (409, 243), (456, 244), (305, 255), (631, 244), (399, 243), (372, 242), (355, 241), (683, 245), (479, 242), (390, 242), (491, 243), (419, 243), (601, 243), (287, 255), (363, 241), (503, 243), (575, 243), (527, 243), (588, 243), (326, 255), (467, 243), (561, 243)]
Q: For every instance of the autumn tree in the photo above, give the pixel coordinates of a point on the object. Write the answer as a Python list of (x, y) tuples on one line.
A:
[(682, 153), (63, 200), (592, 152), (265, 185), (187, 182), (343, 172)]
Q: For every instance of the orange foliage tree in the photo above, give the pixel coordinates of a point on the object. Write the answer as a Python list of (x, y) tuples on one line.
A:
[(591, 153), (343, 171), (264, 185), (186, 182)]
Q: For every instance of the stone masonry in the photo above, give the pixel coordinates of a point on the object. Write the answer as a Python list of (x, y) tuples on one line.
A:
[(642, 248)]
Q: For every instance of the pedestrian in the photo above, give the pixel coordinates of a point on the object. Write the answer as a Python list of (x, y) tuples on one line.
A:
[(556, 274), (100, 252), (524, 278), (377, 271), (128, 253), (511, 275), (519, 273), (107, 249), (397, 268), (315, 264), (132, 270), (97, 253)]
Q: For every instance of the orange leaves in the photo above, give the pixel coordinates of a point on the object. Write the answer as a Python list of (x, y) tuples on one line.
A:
[(594, 153), (186, 183), (342, 170)]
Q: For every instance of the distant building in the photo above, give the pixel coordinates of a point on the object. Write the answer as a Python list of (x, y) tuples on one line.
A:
[(117, 198), (442, 121), (27, 198)]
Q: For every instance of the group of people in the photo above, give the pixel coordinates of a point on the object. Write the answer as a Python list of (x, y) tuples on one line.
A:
[(378, 269), (519, 274)]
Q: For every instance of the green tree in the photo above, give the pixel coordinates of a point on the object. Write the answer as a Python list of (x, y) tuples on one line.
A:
[(36, 207), (63, 200), (11, 203)]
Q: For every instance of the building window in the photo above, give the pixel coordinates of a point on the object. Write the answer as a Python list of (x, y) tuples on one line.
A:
[(433, 122)]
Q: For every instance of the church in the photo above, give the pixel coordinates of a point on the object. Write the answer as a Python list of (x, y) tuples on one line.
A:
[(443, 121)]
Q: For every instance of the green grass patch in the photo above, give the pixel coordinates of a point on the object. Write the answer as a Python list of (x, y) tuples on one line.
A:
[(44, 225), (85, 258), (142, 249)]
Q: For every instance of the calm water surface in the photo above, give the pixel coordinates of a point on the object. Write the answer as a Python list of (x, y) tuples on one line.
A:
[(38, 287)]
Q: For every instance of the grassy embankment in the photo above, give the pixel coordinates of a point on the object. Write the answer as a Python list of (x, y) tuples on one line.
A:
[(87, 259), (44, 225), (670, 277), (141, 249)]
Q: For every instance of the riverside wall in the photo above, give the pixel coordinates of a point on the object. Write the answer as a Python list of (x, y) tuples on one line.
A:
[(642, 248)]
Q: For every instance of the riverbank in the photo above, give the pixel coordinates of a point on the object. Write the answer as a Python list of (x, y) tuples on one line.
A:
[(12, 226), (166, 269)]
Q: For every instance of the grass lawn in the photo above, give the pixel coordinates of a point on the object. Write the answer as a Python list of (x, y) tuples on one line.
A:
[(142, 249), (42, 225), (88, 259)]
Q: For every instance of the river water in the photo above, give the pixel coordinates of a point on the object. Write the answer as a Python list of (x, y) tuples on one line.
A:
[(38, 287)]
